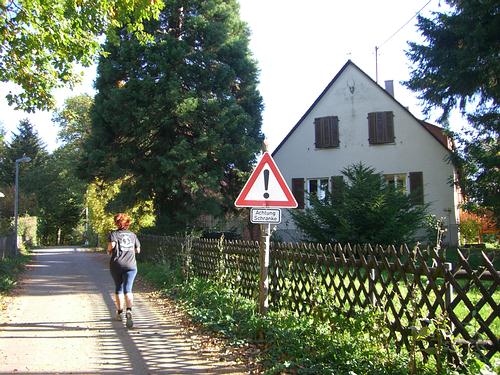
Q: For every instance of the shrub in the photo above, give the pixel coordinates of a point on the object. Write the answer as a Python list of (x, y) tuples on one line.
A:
[(469, 230), (365, 210), (325, 342), (10, 268)]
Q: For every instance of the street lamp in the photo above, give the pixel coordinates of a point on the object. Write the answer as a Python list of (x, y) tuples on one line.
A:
[(24, 159)]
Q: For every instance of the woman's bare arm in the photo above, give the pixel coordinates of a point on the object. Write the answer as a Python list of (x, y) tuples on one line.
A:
[(111, 245)]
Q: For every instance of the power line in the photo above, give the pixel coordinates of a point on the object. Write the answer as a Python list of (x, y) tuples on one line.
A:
[(393, 34), (406, 23)]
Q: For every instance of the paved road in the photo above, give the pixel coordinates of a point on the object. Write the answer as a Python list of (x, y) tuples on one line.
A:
[(59, 322)]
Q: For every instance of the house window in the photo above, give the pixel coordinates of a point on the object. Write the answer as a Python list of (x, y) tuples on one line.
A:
[(397, 181), (326, 131), (411, 183), (317, 187), (381, 127)]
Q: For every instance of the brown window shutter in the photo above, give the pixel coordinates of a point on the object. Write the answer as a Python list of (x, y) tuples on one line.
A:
[(334, 131), (326, 131), (372, 130), (337, 187), (417, 187), (380, 127), (298, 191), (319, 132), (389, 127)]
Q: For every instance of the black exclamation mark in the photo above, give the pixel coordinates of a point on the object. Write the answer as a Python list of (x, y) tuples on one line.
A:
[(266, 182)]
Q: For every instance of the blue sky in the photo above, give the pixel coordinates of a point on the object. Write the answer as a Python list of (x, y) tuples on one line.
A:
[(299, 47)]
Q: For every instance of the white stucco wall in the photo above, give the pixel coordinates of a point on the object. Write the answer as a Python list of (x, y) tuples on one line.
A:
[(351, 97)]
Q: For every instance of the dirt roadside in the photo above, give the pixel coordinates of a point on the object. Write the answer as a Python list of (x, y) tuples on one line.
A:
[(59, 321)]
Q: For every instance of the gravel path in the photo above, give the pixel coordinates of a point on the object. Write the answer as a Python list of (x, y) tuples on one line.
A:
[(60, 322)]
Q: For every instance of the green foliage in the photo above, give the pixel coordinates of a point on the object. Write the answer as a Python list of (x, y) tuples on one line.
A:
[(25, 142), (181, 116), (99, 194), (368, 211), (435, 228), (469, 231), (10, 268), (35, 186), (27, 231), (458, 66), (41, 40), (74, 121), (48, 186), (325, 342)]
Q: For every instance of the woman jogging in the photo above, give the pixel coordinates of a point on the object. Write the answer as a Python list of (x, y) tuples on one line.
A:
[(122, 246)]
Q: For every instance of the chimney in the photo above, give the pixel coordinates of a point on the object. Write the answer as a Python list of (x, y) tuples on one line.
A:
[(389, 87)]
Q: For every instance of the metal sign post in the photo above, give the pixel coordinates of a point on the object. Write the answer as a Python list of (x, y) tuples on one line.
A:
[(265, 192), (264, 268)]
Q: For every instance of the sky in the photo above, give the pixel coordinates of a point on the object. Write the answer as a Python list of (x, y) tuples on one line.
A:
[(299, 47)]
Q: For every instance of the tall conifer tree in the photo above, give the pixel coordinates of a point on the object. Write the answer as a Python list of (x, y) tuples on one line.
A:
[(459, 66), (181, 116), (26, 142)]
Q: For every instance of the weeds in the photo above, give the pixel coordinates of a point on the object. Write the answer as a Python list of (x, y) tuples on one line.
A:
[(10, 269), (323, 342)]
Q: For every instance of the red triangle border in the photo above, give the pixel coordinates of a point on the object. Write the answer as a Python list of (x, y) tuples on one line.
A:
[(242, 200)]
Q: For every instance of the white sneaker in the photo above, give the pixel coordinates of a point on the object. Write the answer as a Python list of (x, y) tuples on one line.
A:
[(130, 322), (119, 316)]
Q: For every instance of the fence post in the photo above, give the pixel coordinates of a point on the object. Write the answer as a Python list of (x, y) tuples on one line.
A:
[(372, 274), (186, 248), (373, 296), (448, 298)]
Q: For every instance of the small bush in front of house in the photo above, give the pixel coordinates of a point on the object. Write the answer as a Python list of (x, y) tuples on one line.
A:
[(366, 209)]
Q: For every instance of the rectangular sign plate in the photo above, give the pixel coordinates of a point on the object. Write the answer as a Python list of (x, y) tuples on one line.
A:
[(265, 215)]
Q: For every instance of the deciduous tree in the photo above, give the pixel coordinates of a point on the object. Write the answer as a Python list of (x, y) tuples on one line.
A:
[(41, 40)]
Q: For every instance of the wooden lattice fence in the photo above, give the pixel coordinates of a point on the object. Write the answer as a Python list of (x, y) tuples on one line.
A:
[(404, 282)]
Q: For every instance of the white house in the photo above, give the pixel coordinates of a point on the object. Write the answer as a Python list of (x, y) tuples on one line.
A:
[(355, 120)]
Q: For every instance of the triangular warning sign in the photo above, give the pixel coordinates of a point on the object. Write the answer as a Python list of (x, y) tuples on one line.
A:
[(266, 187)]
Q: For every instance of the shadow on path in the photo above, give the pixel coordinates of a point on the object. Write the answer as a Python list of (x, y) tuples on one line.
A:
[(61, 322)]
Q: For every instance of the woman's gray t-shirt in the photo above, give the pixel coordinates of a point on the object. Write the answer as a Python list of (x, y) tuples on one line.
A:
[(123, 255)]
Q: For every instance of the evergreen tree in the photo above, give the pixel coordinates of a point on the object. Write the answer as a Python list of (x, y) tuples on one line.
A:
[(368, 210), (180, 117), (61, 201), (458, 66), (60, 197), (25, 142)]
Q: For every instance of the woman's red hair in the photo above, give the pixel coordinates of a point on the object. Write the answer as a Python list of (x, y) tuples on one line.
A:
[(122, 221)]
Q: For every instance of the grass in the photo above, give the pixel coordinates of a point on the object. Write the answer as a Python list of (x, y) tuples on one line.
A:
[(322, 342), (10, 269), (342, 287)]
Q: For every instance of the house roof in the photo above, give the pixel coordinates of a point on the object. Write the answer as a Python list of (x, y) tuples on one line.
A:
[(435, 131)]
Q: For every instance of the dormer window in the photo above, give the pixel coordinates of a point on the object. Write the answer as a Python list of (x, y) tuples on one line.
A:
[(381, 127), (326, 131)]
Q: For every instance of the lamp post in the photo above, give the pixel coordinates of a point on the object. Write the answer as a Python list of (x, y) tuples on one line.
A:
[(24, 159)]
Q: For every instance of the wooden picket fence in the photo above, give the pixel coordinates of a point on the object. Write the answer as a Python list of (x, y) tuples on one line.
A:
[(7, 246), (404, 282)]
